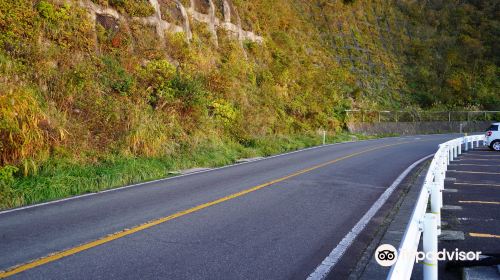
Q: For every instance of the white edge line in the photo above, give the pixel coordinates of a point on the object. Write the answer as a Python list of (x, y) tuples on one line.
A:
[(189, 174), (336, 254)]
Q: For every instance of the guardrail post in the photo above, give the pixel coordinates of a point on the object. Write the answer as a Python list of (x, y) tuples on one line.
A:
[(455, 151), (439, 180), (444, 161), (436, 203), (466, 144), (430, 246), (450, 154)]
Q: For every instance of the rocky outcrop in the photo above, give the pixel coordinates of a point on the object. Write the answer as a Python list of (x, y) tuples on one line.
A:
[(172, 16)]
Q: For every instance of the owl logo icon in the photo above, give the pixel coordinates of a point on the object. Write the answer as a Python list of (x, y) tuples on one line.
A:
[(386, 255)]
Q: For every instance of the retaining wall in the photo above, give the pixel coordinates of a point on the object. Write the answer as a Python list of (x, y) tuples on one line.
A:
[(412, 128)]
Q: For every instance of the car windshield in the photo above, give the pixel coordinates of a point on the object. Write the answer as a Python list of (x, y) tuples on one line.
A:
[(493, 127)]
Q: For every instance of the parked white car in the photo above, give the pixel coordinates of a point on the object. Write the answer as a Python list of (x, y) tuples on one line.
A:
[(493, 137)]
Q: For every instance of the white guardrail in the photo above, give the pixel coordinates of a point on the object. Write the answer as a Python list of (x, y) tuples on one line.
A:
[(429, 224)]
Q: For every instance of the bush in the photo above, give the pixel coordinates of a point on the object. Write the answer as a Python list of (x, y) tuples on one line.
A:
[(115, 77), (223, 112), (155, 79), (68, 25), (6, 183), (23, 126)]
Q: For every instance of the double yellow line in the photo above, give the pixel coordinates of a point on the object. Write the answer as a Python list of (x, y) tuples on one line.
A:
[(59, 255)]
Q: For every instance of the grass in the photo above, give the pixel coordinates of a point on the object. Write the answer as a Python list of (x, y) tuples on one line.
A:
[(62, 178)]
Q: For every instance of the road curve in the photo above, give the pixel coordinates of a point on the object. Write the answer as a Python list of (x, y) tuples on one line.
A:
[(275, 218)]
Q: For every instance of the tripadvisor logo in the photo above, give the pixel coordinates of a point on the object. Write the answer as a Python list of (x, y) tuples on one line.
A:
[(387, 255)]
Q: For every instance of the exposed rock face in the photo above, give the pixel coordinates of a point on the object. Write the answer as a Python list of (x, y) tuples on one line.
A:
[(227, 11), (95, 9), (172, 16)]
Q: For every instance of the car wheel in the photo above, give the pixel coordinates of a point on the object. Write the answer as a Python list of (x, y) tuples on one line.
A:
[(495, 145)]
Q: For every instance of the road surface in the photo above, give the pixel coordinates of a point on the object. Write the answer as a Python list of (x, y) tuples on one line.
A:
[(276, 218)]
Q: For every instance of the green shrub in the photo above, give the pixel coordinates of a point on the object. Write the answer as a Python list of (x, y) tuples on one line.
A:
[(6, 182), (155, 78), (223, 112), (116, 77), (188, 89)]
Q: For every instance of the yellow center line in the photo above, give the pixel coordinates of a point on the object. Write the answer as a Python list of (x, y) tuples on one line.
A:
[(484, 235), (59, 255), (479, 202)]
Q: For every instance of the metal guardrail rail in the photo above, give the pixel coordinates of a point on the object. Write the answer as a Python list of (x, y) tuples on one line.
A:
[(429, 224)]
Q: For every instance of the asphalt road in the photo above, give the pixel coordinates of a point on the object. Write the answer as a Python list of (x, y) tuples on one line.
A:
[(290, 211)]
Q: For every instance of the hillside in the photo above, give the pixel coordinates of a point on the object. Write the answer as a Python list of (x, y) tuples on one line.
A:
[(92, 82)]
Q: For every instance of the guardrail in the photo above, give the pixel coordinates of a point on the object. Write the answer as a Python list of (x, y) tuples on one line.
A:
[(429, 224)]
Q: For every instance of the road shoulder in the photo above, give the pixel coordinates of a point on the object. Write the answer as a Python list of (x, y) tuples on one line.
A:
[(392, 229)]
